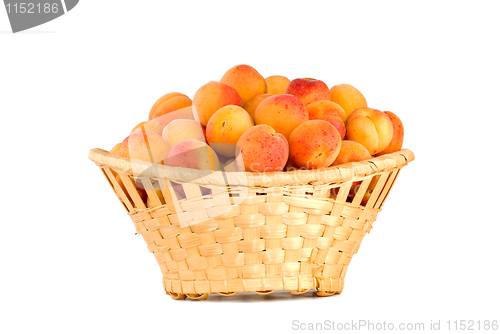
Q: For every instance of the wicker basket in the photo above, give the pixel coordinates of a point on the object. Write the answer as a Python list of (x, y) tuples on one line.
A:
[(215, 232)]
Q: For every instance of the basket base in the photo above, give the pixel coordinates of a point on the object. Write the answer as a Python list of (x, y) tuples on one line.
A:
[(296, 285)]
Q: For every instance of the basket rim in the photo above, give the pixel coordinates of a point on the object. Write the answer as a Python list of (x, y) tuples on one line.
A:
[(335, 174)]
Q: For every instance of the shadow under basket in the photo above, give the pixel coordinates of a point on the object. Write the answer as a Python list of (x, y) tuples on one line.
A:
[(224, 233)]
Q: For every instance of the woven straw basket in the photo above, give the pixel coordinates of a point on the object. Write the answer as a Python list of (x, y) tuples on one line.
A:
[(216, 232)]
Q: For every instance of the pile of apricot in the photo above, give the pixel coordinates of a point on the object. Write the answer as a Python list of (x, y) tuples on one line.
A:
[(245, 122)]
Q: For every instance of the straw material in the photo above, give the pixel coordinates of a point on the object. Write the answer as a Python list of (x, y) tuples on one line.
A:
[(216, 232)]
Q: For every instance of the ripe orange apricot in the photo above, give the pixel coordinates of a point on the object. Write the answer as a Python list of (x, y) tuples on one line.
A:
[(351, 151), (252, 105), (322, 110), (282, 112), (211, 97), (397, 137), (175, 103), (225, 127), (276, 84), (327, 107), (348, 97), (262, 149), (371, 128), (162, 99), (308, 90), (144, 145), (314, 144), (246, 80)]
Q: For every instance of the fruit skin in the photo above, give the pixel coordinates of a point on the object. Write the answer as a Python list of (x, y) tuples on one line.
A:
[(252, 105), (246, 80), (351, 151), (175, 103), (263, 149), (181, 129), (192, 153), (144, 145), (225, 127), (348, 97), (314, 144), (162, 99), (184, 113), (282, 112), (327, 107), (211, 97), (116, 149), (397, 137), (319, 110), (276, 84), (123, 150), (371, 128), (153, 126), (308, 90)]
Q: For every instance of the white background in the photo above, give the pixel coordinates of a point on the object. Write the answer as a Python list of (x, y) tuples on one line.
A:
[(70, 262)]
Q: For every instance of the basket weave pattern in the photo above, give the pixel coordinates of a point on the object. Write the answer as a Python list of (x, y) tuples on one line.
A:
[(231, 232)]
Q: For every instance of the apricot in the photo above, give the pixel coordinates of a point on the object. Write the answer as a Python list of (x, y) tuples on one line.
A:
[(276, 84), (328, 107), (144, 145), (162, 99), (322, 110), (282, 112), (175, 103), (184, 113), (263, 149), (181, 129), (251, 105), (397, 137), (348, 97), (153, 126), (116, 149), (192, 153), (225, 127), (123, 150), (211, 97), (246, 80), (308, 90), (314, 144), (371, 128), (351, 151)]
